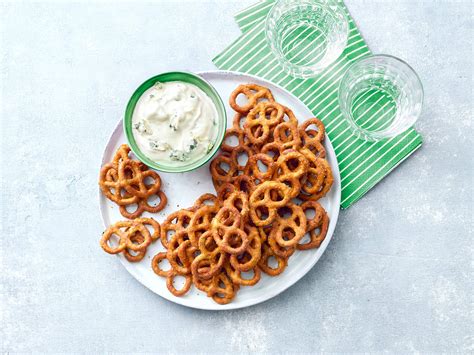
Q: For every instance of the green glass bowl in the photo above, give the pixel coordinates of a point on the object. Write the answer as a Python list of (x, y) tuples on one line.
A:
[(187, 78)]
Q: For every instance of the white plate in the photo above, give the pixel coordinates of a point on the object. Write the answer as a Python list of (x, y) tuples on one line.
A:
[(182, 189)]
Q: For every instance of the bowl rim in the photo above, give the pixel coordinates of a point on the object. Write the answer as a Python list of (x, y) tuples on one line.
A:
[(174, 76)]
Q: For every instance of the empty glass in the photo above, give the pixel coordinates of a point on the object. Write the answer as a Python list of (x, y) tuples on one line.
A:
[(306, 36), (380, 96)]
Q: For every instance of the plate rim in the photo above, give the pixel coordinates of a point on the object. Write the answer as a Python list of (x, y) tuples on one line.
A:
[(217, 307)]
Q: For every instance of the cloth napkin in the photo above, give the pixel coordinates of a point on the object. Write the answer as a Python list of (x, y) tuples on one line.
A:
[(362, 164)]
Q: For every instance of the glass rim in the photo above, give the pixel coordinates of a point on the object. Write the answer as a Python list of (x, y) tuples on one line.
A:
[(190, 78), (332, 6), (383, 134)]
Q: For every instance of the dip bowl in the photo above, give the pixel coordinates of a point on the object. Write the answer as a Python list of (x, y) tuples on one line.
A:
[(189, 78)]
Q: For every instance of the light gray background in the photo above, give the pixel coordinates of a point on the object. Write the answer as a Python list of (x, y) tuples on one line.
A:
[(394, 278)]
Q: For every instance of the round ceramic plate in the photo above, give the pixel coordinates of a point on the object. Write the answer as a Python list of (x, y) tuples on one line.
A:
[(183, 188)]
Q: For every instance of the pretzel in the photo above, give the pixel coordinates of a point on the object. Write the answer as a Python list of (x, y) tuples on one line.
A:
[(143, 205), (253, 93), (133, 179), (218, 173), (175, 222), (308, 135), (272, 149), (324, 186), (209, 262), (121, 154), (221, 289), (137, 255), (112, 187), (172, 288), (252, 168), (153, 224), (177, 253), (236, 275), (124, 241), (264, 116), (155, 264), (239, 200), (250, 257), (232, 132), (290, 164), (244, 183), (263, 197), (267, 253), (278, 250), (286, 136), (123, 182), (211, 200), (226, 232), (319, 221), (201, 222), (289, 231), (224, 191), (290, 167), (315, 146)]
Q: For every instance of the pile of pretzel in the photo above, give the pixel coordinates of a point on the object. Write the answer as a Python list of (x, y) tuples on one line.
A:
[(128, 182), (258, 217)]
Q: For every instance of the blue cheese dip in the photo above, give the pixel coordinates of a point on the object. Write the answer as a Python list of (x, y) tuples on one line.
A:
[(174, 123)]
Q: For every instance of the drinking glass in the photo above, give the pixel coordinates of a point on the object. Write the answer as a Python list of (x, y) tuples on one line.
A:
[(380, 97), (306, 36)]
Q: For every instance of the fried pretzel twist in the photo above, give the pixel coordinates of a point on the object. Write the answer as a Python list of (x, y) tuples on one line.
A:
[(127, 182)]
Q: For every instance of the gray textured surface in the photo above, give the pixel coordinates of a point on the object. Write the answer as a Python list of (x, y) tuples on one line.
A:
[(395, 278)]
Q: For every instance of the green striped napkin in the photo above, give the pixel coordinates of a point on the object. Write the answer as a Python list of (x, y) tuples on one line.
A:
[(362, 164)]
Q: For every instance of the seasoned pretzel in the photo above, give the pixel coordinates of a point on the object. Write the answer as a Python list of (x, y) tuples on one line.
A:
[(267, 253), (201, 222), (310, 135), (124, 230), (250, 257), (244, 183), (289, 116), (123, 181), (170, 284), (177, 253), (252, 168), (112, 187), (143, 205), (264, 116), (135, 256), (221, 289), (175, 222), (133, 179), (218, 172), (209, 262), (263, 197), (121, 154), (206, 199), (236, 275), (286, 136), (324, 186), (253, 92), (315, 147), (155, 264), (319, 222), (284, 252), (289, 231), (239, 200)]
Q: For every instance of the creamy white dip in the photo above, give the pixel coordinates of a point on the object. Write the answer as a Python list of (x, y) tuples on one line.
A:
[(174, 123)]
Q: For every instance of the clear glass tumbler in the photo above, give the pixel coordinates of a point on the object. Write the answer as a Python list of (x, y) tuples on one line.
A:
[(306, 36), (380, 96)]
